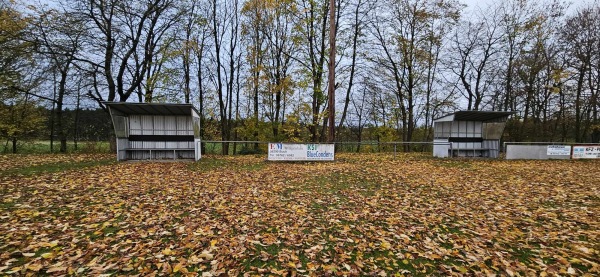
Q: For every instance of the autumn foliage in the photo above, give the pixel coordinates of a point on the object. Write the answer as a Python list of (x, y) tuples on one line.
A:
[(360, 215)]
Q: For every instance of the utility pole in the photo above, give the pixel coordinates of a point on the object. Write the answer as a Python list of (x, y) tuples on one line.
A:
[(331, 79)]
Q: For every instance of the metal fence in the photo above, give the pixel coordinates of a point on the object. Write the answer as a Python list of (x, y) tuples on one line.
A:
[(261, 147), (546, 143)]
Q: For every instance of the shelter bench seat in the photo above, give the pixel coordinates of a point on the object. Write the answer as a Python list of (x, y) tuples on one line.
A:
[(161, 138), (476, 151), (150, 150)]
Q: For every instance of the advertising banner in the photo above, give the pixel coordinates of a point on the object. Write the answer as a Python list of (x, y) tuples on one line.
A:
[(301, 152), (586, 152), (558, 150)]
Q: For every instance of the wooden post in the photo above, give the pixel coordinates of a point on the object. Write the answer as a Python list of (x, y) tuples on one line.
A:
[(331, 79)]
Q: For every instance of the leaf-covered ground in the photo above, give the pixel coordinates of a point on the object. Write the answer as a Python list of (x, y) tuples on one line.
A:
[(360, 215)]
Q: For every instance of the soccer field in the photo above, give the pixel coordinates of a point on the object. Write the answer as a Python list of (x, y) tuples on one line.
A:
[(367, 214)]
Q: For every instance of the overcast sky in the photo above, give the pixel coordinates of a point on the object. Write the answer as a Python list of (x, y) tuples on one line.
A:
[(574, 4)]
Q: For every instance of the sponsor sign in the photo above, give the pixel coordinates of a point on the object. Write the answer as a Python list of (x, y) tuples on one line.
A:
[(301, 152), (558, 150), (586, 152)]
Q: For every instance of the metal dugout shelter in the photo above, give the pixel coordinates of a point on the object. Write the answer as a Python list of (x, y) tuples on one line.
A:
[(469, 134), (148, 131)]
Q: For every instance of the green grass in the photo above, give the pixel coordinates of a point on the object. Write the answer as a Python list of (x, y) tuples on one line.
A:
[(214, 163), (56, 167), (259, 260), (208, 163)]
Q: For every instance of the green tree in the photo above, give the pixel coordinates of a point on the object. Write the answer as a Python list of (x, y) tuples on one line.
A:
[(20, 116), (16, 50), (269, 28), (20, 119)]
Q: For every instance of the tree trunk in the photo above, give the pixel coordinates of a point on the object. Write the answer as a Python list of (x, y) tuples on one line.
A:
[(59, 111), (578, 106), (14, 145), (222, 107), (76, 124)]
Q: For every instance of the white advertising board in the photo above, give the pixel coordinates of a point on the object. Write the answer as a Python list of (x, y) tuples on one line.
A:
[(586, 152), (301, 152), (558, 150)]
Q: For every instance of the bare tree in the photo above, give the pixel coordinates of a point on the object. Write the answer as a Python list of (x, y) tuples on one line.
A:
[(475, 44), (580, 33), (121, 43), (406, 50), (59, 38), (225, 25), (313, 27), (360, 14)]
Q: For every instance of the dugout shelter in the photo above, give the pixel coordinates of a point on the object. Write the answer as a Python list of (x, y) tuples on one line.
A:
[(155, 131), (469, 134)]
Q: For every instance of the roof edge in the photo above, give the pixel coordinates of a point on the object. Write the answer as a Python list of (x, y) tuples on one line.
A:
[(458, 113), (114, 103)]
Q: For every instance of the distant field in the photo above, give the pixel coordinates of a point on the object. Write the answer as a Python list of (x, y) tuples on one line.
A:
[(43, 147), (367, 214)]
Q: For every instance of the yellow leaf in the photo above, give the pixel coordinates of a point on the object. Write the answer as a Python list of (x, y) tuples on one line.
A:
[(584, 250), (572, 260), (177, 267), (462, 269), (48, 255), (385, 245), (56, 269), (35, 267), (206, 255), (15, 269)]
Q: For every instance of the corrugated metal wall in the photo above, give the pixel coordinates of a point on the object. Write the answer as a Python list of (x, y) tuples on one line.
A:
[(458, 129), (160, 125), (466, 145), (161, 144), (493, 146), (440, 148), (466, 129), (443, 131), (122, 144)]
